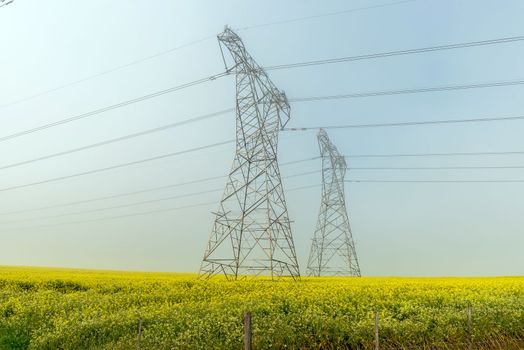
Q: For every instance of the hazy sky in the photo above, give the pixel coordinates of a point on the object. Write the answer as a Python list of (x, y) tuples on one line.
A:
[(399, 228)]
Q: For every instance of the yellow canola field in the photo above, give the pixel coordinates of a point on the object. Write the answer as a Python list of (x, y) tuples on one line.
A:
[(81, 309)]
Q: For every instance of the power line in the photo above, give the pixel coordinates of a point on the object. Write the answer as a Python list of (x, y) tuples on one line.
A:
[(299, 19), (114, 196), (410, 123), (133, 204), (300, 161), (168, 155), (440, 167), (122, 138), (302, 99), (168, 51), (120, 206), (214, 114), (114, 69), (294, 189), (232, 141), (119, 216), (5, 2), (302, 174), (217, 190), (291, 65), (115, 106), (146, 212), (434, 154), (67, 204), (407, 91), (191, 43), (304, 187), (414, 155), (435, 181), (396, 53)]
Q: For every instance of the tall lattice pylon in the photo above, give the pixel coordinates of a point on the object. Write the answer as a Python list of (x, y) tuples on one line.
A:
[(251, 234), (332, 249)]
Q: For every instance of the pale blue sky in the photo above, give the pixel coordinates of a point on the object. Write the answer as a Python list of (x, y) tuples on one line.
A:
[(399, 229)]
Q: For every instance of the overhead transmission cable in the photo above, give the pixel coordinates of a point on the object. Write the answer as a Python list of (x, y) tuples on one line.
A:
[(149, 201), (118, 139), (351, 168), (117, 216), (117, 166), (115, 106), (293, 189), (126, 194), (5, 2), (298, 99), (440, 167), (111, 70), (407, 91), (409, 123), (396, 53), (168, 155), (191, 43), (120, 206), (300, 161), (146, 212), (329, 14), (297, 64), (140, 191), (229, 110), (119, 195), (433, 181), (451, 154)]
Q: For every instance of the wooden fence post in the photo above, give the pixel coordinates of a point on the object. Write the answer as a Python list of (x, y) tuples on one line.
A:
[(470, 331), (247, 331), (139, 332), (377, 345)]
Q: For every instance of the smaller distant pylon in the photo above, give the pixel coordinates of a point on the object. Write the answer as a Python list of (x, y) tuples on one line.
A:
[(332, 249)]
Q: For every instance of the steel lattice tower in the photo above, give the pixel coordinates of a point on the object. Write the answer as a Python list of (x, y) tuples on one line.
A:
[(251, 234), (332, 249)]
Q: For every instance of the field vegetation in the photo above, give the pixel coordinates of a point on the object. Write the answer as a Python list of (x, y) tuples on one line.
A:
[(80, 309)]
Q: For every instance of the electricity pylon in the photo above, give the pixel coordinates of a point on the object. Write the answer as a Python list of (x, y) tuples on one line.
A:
[(251, 234), (332, 249)]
